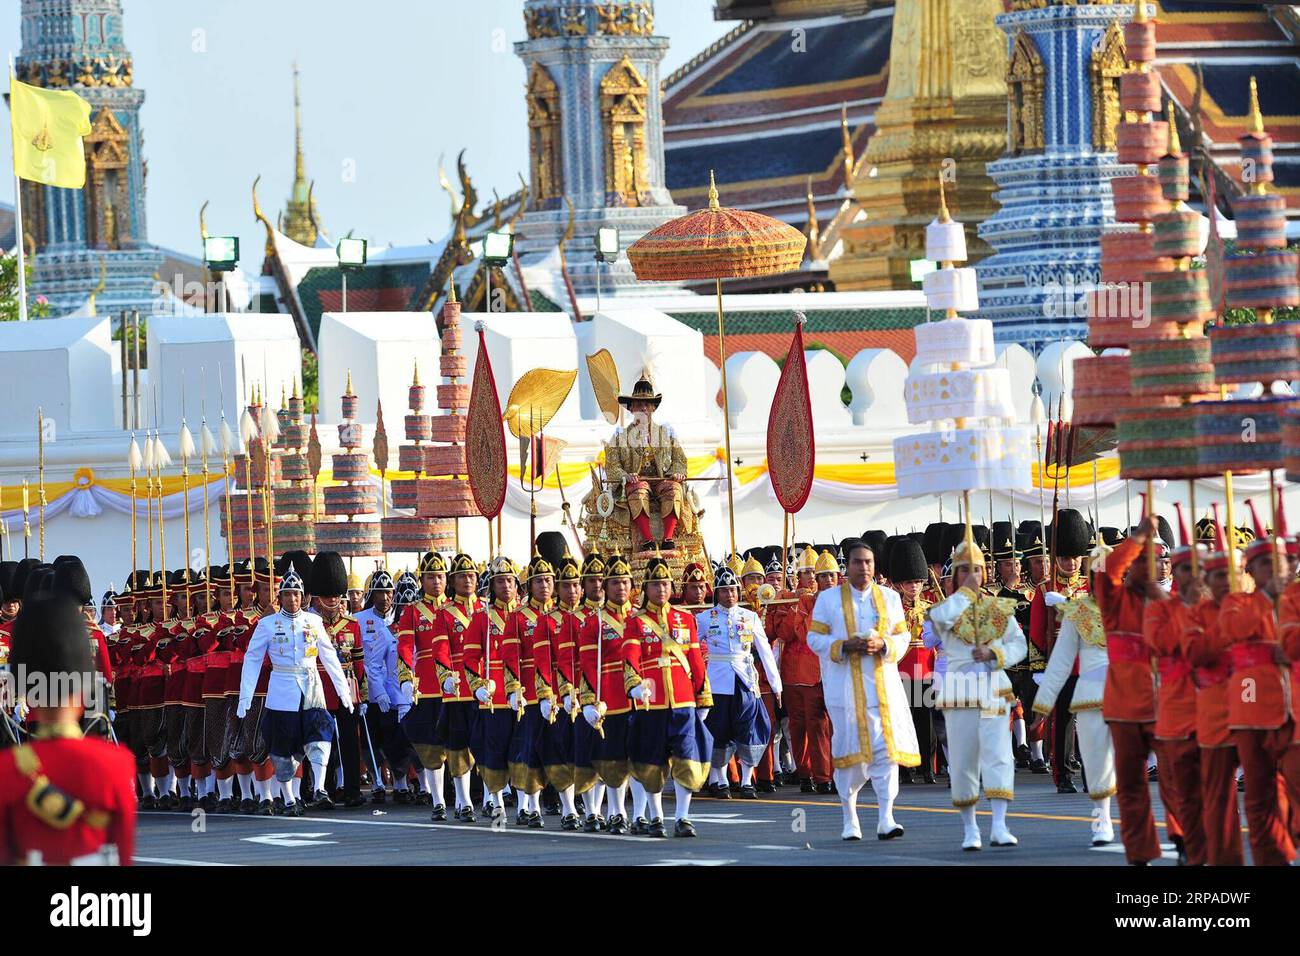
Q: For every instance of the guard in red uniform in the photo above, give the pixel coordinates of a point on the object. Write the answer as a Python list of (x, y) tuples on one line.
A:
[(527, 652), (416, 630), (1260, 711), (63, 799), (908, 573), (214, 637), (558, 733), (1129, 701), (1069, 537), (586, 781), (459, 708), (1211, 668), (801, 677), (329, 583), (602, 692), (248, 742), (664, 672), (1175, 734), (493, 684)]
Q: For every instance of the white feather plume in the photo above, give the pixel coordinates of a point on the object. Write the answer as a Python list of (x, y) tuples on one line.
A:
[(247, 427), (270, 425), (186, 443), (227, 437), (148, 453), (161, 456), (134, 460), (206, 443)]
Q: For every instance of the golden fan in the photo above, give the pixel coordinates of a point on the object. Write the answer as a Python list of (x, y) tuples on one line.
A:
[(535, 399), (604, 382)]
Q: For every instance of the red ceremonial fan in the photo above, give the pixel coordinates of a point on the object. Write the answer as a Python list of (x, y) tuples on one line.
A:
[(485, 437), (791, 446)]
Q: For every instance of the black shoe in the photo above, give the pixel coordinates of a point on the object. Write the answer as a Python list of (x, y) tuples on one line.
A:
[(439, 813), (904, 774), (766, 786), (807, 786), (424, 799), (1072, 764), (1038, 765), (1182, 850), (719, 791), (320, 800), (1066, 786), (655, 828), (734, 788), (147, 802), (378, 796), (294, 809), (248, 806), (535, 821), (209, 802), (927, 775), (266, 809), (647, 545), (185, 803), (1153, 773), (591, 824), (403, 797), (825, 788), (169, 802), (684, 828), (490, 809), (639, 826), (749, 793), (522, 818), (668, 544), (351, 803), (893, 834), (465, 815), (569, 822), (278, 803), (617, 825), (225, 805), (510, 799), (1022, 757)]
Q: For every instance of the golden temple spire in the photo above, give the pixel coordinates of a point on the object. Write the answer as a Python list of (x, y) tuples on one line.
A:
[(348, 390), (814, 232), (849, 161), (451, 291), (415, 375), (944, 215), (300, 217), (713, 192), (1175, 144), (1255, 123), (1140, 12)]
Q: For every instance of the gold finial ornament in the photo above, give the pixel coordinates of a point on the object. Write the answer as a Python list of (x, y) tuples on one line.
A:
[(1175, 144), (1140, 12), (348, 390), (944, 216), (451, 291), (713, 192), (1255, 124), (847, 140), (415, 373)]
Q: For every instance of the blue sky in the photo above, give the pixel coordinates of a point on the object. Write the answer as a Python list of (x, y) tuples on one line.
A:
[(387, 87)]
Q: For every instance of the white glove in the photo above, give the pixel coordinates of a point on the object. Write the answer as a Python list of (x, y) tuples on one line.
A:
[(482, 695), (703, 712), (407, 691), (568, 703), (641, 692), (515, 700), (449, 686), (402, 711), (350, 707), (383, 703), (546, 709), (591, 714), (242, 710), (112, 715), (364, 708), (1038, 679)]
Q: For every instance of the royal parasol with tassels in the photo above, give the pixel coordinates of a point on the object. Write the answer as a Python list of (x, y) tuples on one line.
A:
[(718, 243)]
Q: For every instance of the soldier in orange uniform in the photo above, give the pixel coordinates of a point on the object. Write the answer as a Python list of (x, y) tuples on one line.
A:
[(1259, 697), (664, 672), (1175, 734), (493, 684), (810, 725), (1129, 703), (1211, 668), (417, 634), (602, 692), (63, 799)]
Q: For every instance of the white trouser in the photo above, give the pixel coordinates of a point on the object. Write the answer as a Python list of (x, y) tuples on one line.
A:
[(881, 771), (979, 747), (1098, 752)]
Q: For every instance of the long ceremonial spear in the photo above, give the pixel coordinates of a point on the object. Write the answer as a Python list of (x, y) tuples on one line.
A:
[(186, 449), (227, 442), (133, 461), (40, 474), (147, 461), (270, 433), (206, 448), (27, 523)]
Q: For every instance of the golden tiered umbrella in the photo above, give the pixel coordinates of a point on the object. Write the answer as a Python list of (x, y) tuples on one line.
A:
[(718, 243)]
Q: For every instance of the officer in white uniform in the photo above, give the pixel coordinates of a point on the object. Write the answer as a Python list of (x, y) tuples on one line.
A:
[(297, 723), (729, 635), (380, 646)]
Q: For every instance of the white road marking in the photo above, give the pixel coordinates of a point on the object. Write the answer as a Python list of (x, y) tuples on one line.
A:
[(723, 818), (692, 863), (770, 846), (290, 839), (165, 861), (1167, 850)]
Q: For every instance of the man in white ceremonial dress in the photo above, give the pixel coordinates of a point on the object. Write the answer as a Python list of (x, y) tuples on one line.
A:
[(859, 634)]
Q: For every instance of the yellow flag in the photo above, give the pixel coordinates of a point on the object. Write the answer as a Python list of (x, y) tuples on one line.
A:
[(47, 128)]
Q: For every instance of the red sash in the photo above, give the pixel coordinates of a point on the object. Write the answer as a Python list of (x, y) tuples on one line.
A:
[(1173, 668), (1252, 654), (1126, 646)]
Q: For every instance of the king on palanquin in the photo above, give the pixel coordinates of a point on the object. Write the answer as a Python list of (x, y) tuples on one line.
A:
[(646, 459)]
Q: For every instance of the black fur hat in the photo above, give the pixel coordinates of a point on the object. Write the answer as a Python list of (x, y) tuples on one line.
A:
[(50, 637), (329, 576), (70, 578), (933, 539), (907, 561), (1071, 534)]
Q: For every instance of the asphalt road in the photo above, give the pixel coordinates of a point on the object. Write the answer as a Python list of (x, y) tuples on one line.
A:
[(782, 829)]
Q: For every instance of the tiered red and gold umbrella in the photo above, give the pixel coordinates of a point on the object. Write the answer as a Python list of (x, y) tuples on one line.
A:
[(718, 243)]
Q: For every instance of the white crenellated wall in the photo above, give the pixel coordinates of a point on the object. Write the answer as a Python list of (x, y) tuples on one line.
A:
[(380, 349), (751, 383), (876, 378), (1056, 371)]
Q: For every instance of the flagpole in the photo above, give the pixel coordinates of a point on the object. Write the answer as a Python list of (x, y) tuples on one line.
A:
[(18, 212)]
